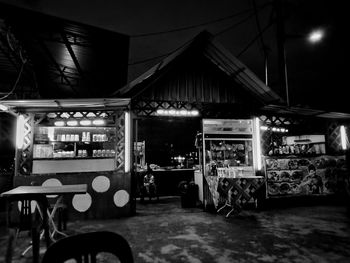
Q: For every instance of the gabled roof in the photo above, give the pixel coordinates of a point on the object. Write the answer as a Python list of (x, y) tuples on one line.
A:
[(220, 57)]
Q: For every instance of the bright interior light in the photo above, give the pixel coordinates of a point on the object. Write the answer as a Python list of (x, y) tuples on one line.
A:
[(343, 137), (85, 122), (173, 112), (160, 112), (59, 123), (98, 122), (194, 112), (316, 36), (3, 107), (72, 123), (50, 133), (127, 142), (258, 144), (20, 132)]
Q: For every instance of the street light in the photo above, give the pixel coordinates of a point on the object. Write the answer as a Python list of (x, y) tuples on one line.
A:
[(316, 36)]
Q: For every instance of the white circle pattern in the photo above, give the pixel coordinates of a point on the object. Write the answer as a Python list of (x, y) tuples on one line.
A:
[(101, 184), (82, 202), (121, 198)]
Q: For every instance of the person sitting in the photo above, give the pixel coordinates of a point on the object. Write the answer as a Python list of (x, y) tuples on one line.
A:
[(149, 187)]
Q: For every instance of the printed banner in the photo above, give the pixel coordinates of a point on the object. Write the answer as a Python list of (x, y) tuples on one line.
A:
[(320, 175)]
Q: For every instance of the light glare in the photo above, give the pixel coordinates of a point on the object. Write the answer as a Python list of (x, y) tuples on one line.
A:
[(59, 123), (343, 137), (72, 123), (98, 122), (258, 143), (173, 112), (20, 132), (316, 36), (85, 122)]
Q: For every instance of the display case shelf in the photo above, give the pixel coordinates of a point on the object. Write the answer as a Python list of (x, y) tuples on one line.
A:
[(59, 143)]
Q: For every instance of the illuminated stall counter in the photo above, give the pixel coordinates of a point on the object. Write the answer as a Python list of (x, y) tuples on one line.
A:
[(80, 141), (231, 157)]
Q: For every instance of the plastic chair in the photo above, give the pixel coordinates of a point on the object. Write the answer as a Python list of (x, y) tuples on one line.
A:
[(27, 220), (86, 246)]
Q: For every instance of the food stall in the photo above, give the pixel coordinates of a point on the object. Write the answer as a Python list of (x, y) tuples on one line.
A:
[(166, 144), (304, 158), (269, 157), (74, 141), (231, 158)]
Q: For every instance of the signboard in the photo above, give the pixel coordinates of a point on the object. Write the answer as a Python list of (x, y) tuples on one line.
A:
[(221, 126)]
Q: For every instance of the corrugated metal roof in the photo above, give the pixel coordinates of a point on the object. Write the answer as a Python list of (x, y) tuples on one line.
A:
[(221, 58), (285, 110), (69, 59), (65, 104)]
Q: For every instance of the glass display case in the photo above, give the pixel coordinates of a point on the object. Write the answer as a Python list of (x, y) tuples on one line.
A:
[(73, 148), (228, 148), (74, 142)]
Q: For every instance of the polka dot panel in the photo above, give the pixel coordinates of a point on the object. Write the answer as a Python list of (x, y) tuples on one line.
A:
[(82, 202), (52, 182), (121, 198), (101, 184)]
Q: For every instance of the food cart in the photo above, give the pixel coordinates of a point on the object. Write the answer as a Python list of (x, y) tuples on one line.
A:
[(231, 157), (73, 141)]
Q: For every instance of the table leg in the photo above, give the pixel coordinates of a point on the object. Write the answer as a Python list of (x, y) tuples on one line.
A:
[(222, 208), (12, 236), (35, 244), (230, 212), (51, 217)]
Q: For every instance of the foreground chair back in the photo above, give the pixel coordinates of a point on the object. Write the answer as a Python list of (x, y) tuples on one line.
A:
[(26, 218), (86, 246)]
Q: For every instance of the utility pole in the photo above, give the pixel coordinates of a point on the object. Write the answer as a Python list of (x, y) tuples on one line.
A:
[(281, 53)]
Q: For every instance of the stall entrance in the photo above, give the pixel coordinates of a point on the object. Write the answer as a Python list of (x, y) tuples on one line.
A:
[(167, 146)]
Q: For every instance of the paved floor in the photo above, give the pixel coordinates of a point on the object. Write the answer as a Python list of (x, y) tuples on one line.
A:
[(164, 232)]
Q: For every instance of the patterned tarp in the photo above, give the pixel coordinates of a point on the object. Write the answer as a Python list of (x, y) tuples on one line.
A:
[(237, 191)]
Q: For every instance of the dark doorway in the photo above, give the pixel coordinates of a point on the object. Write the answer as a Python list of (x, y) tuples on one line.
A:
[(166, 138)]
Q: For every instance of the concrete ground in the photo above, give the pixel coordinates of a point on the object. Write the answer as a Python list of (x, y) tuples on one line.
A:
[(164, 232)]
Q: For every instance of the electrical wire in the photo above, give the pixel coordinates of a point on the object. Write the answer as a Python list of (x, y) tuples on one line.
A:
[(254, 39), (16, 82), (196, 25), (261, 39), (149, 59), (233, 26), (160, 56), (216, 34)]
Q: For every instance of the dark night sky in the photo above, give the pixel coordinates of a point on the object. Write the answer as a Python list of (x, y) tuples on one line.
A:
[(316, 74)]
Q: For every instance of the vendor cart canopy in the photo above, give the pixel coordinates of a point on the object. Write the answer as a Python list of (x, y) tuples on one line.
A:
[(64, 104), (308, 112), (57, 57), (203, 49)]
